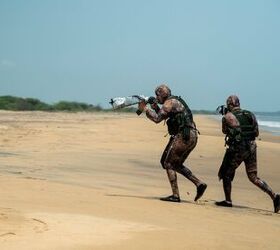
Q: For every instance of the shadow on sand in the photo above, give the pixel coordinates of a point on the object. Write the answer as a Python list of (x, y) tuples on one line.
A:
[(203, 203), (147, 198), (247, 209)]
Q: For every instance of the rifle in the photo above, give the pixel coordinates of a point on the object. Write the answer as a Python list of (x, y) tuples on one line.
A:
[(122, 102), (222, 109)]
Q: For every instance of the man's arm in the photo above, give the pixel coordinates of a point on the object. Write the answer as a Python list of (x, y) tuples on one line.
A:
[(155, 107), (229, 121), (156, 117), (224, 125), (256, 126)]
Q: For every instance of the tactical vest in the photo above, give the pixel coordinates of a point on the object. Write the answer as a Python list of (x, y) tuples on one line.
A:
[(180, 122), (245, 131)]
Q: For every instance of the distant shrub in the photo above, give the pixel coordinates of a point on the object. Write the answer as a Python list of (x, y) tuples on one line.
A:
[(75, 106), (22, 104), (29, 104)]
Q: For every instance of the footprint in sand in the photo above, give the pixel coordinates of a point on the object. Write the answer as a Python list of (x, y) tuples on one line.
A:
[(40, 226), (33, 178), (7, 234), (3, 216), (35, 170), (15, 172)]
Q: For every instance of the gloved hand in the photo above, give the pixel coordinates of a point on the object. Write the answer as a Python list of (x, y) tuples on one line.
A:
[(153, 103), (152, 100), (155, 107)]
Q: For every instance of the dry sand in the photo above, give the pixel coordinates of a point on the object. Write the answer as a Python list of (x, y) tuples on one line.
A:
[(93, 181)]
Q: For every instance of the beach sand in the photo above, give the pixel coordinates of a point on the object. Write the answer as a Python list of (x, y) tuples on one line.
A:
[(93, 181)]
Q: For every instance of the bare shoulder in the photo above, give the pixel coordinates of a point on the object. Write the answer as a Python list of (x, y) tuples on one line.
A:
[(230, 119), (168, 105), (173, 105)]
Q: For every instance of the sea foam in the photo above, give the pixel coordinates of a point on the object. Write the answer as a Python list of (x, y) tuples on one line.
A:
[(271, 124)]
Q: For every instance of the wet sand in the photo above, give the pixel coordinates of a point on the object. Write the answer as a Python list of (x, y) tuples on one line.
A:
[(93, 181)]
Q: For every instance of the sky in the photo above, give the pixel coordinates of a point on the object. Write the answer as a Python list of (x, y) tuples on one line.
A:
[(90, 51)]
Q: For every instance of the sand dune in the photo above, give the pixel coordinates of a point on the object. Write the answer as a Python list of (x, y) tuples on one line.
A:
[(93, 181)]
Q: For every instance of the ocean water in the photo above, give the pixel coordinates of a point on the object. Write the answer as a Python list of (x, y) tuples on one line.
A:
[(270, 123)]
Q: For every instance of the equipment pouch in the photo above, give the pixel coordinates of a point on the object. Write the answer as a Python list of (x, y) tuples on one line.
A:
[(172, 127), (186, 133)]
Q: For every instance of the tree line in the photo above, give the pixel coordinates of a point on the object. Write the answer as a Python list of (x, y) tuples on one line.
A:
[(31, 104)]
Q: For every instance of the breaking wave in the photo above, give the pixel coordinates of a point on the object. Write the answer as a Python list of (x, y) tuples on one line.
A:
[(270, 124)]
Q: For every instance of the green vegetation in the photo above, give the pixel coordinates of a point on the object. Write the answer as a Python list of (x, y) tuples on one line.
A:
[(30, 104), (75, 106), (17, 103)]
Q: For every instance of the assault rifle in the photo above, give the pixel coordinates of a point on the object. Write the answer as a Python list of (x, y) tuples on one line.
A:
[(122, 102)]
